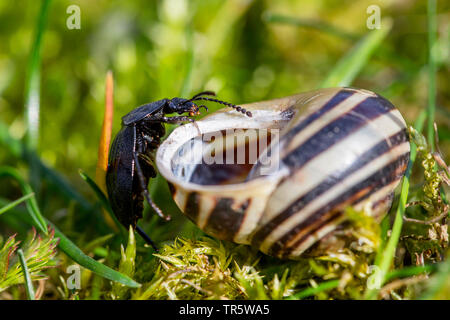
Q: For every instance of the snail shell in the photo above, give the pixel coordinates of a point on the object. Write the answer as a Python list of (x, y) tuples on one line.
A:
[(326, 150)]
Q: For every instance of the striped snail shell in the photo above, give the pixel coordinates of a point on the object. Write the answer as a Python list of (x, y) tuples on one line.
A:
[(323, 151)]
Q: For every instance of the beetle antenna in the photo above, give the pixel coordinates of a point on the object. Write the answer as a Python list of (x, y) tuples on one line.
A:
[(195, 97), (237, 108), (209, 93)]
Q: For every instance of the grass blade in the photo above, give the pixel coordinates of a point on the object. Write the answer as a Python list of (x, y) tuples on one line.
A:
[(386, 255), (32, 94), (103, 199), (17, 149), (28, 283), (16, 219), (438, 282), (75, 253), (221, 26), (98, 192), (306, 23), (441, 278), (327, 285), (11, 205), (389, 252), (411, 271), (32, 205), (351, 64), (432, 27)]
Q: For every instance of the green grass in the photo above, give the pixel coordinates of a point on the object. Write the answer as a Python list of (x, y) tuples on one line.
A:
[(73, 252), (28, 283), (32, 206), (11, 205), (326, 285), (387, 255), (432, 31), (345, 71), (67, 246), (312, 24), (33, 81)]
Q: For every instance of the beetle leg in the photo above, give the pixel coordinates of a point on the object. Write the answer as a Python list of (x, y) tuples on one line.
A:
[(145, 191), (146, 238), (147, 138), (151, 141), (147, 159), (176, 119)]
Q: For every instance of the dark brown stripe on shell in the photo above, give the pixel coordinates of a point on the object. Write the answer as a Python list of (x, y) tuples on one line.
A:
[(172, 189), (224, 222), (329, 105), (380, 207), (364, 189), (191, 208), (335, 131), (330, 181), (335, 218)]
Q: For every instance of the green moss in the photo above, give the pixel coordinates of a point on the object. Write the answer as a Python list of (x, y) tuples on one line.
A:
[(39, 253)]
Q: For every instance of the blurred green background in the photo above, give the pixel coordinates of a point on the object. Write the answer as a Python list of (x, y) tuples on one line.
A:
[(244, 50)]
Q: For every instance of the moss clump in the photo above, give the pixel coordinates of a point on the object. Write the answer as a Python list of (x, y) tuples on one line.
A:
[(39, 253)]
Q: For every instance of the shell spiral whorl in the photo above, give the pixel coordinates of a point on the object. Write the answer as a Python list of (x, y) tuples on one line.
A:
[(335, 148)]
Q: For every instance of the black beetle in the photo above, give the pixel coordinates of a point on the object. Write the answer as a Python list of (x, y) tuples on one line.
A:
[(131, 156)]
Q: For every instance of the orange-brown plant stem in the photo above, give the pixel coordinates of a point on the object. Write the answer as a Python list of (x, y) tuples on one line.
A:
[(105, 139)]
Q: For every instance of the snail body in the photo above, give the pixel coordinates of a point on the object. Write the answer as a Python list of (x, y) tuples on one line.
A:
[(323, 151)]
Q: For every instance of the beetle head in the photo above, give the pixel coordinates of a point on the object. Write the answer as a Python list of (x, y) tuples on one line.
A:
[(180, 106)]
